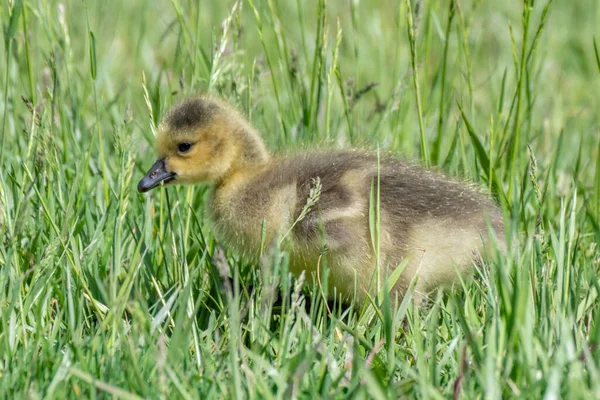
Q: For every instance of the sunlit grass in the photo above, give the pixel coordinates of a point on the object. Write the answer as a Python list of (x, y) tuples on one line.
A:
[(106, 292)]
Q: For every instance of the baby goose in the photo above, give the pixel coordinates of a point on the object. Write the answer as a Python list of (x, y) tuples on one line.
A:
[(437, 224)]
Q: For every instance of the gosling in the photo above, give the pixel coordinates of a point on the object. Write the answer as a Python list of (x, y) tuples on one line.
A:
[(323, 204)]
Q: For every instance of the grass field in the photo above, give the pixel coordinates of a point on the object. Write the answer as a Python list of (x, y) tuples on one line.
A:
[(109, 293)]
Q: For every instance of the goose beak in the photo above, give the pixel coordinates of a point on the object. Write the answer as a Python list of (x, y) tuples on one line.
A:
[(155, 176)]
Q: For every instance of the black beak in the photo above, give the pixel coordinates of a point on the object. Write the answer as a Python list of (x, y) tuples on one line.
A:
[(155, 176)]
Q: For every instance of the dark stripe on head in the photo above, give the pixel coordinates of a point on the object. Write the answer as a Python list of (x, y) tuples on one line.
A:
[(190, 114)]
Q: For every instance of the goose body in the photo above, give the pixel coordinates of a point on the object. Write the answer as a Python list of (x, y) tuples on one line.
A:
[(324, 203)]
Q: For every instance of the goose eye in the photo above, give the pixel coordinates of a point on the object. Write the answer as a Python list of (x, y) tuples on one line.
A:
[(184, 147)]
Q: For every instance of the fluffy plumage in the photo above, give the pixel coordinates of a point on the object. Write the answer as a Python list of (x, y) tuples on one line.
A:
[(435, 223)]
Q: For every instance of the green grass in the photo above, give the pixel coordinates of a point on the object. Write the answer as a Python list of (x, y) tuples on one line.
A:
[(108, 293)]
